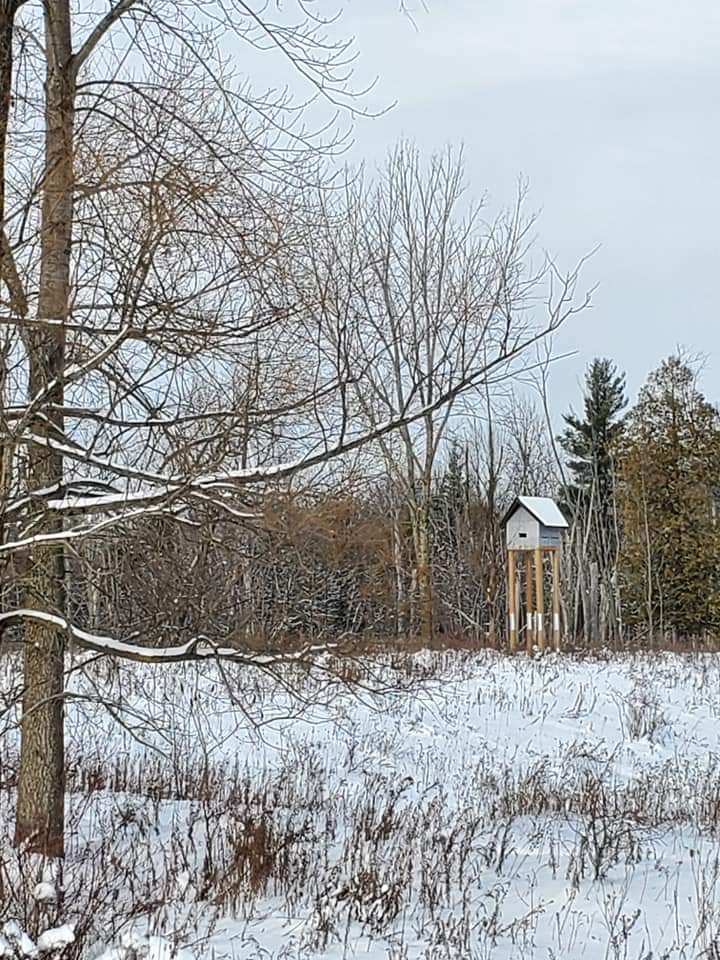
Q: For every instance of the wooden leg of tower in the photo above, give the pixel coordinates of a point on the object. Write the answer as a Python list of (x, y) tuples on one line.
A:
[(529, 607), (539, 599), (556, 597), (512, 605)]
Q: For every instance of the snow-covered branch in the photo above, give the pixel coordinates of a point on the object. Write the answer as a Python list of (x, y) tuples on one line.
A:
[(198, 648)]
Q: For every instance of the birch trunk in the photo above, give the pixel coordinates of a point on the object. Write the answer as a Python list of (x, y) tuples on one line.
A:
[(593, 622)]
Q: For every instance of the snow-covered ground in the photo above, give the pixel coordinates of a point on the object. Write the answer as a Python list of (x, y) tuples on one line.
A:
[(495, 808)]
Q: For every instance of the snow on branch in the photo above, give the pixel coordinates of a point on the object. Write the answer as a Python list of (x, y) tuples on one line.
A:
[(198, 648)]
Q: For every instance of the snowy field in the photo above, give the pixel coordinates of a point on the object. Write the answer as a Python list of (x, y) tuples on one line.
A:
[(490, 808)]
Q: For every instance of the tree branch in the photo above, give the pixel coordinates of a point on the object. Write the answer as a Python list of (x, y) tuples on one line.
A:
[(110, 18), (199, 648)]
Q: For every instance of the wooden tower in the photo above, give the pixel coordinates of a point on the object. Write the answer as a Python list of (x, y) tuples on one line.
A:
[(533, 532)]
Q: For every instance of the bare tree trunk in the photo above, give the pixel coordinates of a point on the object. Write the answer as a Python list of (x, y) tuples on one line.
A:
[(401, 625), (8, 9), (6, 37), (593, 623), (424, 575), (41, 785), (649, 572), (492, 483)]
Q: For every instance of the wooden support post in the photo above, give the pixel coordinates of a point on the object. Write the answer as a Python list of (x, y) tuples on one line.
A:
[(512, 605), (529, 615), (539, 599), (556, 597)]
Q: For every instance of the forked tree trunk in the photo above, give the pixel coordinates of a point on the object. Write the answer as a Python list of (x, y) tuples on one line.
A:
[(41, 785)]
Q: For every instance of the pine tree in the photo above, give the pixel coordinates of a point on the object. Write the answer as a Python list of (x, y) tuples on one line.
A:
[(591, 443), (450, 496), (670, 559)]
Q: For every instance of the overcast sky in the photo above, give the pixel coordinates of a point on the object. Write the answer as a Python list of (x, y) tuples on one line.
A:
[(611, 109)]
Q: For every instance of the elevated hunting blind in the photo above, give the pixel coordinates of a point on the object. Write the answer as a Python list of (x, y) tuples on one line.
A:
[(534, 528)]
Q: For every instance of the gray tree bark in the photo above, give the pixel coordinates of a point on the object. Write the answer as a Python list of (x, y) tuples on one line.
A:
[(41, 786)]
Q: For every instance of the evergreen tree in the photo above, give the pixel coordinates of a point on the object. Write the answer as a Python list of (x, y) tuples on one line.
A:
[(590, 442), (670, 561), (450, 495)]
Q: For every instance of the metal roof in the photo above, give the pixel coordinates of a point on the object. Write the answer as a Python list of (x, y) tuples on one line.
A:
[(544, 509)]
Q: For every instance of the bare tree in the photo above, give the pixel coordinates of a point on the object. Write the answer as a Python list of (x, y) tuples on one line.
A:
[(177, 346), (148, 205), (441, 302)]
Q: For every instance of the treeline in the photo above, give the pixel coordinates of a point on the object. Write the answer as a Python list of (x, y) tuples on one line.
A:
[(344, 558), (335, 558), (644, 502)]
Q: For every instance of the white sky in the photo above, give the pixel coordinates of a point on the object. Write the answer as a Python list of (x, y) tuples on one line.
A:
[(611, 109)]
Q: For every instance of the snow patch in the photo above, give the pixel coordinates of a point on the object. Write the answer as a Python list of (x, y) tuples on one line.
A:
[(56, 939), (45, 892)]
